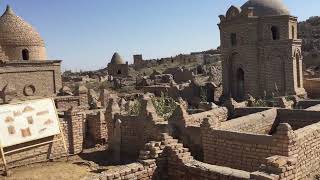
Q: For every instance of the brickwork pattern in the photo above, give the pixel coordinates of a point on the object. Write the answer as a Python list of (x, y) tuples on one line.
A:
[(268, 66), (245, 151), (97, 126), (43, 76)]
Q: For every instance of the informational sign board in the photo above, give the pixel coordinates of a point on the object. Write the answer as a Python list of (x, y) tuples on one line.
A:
[(28, 121)]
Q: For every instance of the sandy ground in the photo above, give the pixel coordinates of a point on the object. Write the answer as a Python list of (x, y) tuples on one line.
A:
[(90, 163), (50, 171)]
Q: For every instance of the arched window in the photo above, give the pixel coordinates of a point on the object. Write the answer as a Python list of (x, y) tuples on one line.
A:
[(119, 72), (25, 54), (233, 37), (275, 33), (293, 32)]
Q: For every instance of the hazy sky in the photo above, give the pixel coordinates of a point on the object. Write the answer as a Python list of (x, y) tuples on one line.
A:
[(85, 33)]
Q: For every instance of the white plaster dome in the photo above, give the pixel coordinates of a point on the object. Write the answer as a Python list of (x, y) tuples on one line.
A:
[(267, 7)]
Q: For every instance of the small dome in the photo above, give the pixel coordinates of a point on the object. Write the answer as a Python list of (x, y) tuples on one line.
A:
[(116, 59), (14, 31), (267, 7)]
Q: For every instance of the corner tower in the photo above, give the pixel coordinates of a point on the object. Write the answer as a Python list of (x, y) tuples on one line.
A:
[(260, 50)]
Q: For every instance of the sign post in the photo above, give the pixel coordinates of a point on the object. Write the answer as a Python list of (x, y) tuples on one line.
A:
[(29, 121)]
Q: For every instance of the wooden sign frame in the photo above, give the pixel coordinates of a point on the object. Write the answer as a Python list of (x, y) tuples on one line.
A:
[(62, 138)]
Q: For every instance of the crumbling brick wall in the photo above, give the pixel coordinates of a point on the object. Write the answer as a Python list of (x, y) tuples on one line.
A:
[(258, 123), (97, 126), (312, 87), (64, 103), (239, 150), (168, 159), (135, 132), (186, 127), (301, 158), (71, 124)]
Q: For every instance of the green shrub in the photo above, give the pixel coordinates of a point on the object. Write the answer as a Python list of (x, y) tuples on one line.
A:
[(135, 108), (164, 106)]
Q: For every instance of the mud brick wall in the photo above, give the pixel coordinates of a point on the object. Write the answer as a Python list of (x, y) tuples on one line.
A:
[(240, 150), (238, 112), (135, 132), (302, 157), (42, 78), (307, 149), (258, 123), (132, 171), (173, 161), (186, 127), (71, 124), (97, 126), (303, 104), (276, 168), (168, 159), (312, 86), (64, 103), (298, 118)]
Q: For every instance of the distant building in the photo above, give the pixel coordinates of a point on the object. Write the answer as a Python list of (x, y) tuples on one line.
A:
[(205, 57), (117, 67), (260, 50)]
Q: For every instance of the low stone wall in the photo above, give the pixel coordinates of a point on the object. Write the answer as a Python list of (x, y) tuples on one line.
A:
[(312, 87), (239, 112), (182, 166), (302, 158), (132, 171), (72, 126), (168, 159), (258, 123), (307, 151), (186, 127), (303, 104), (241, 150), (298, 118), (314, 108)]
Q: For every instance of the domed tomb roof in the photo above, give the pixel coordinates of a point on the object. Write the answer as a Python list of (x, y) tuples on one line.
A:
[(14, 31), (266, 7), (116, 59)]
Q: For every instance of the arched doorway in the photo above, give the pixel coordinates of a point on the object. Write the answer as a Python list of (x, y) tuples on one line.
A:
[(25, 54), (240, 84)]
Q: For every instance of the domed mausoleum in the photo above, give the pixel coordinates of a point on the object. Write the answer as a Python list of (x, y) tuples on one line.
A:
[(24, 68), (117, 67), (260, 50), (19, 40)]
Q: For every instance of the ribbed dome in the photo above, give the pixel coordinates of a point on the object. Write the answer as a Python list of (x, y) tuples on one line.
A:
[(14, 31), (267, 7), (116, 59)]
